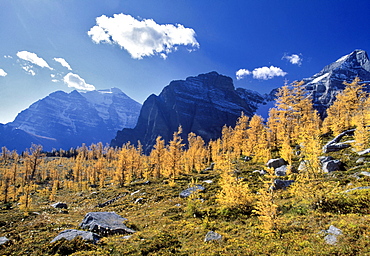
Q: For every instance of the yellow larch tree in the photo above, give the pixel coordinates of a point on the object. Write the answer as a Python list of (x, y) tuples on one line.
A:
[(340, 115), (157, 156), (174, 156), (257, 142)]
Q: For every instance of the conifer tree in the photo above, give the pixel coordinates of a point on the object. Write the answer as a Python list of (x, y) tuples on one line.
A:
[(266, 208), (157, 157), (340, 115), (234, 193), (175, 148)]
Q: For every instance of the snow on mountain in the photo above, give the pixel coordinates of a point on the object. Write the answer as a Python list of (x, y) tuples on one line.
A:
[(325, 85), (65, 120)]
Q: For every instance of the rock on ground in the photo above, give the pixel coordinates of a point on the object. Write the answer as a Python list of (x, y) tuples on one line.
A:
[(187, 192), (281, 184), (276, 163), (60, 205), (70, 234), (105, 223), (3, 240), (331, 166), (332, 234), (212, 236)]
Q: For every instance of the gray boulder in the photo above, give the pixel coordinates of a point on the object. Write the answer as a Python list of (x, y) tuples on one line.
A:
[(332, 165), (4, 240), (70, 234), (60, 205), (212, 236), (276, 163), (364, 152), (335, 144), (187, 192), (281, 171), (105, 223), (281, 184), (332, 234), (365, 173)]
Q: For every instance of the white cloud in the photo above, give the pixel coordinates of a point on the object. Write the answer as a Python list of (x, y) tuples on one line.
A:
[(141, 37), (241, 73), (263, 73), (294, 59), (33, 58), (29, 70), (266, 73), (75, 81), (3, 73), (63, 62), (8, 57)]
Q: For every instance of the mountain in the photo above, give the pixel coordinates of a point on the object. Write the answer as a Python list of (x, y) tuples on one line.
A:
[(65, 120), (325, 85), (201, 104)]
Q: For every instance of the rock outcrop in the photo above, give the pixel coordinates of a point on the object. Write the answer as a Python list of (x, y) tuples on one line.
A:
[(70, 234), (105, 223), (201, 104)]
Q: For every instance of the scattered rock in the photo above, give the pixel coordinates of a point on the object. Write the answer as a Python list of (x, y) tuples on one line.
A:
[(332, 165), (361, 160), (105, 223), (212, 236), (302, 165), (210, 168), (127, 237), (133, 193), (189, 191), (358, 188), (138, 200), (60, 205), (208, 181), (69, 234), (247, 158), (332, 234), (324, 159), (365, 173), (276, 163), (281, 184), (261, 172), (335, 145), (364, 152), (281, 171), (109, 201), (4, 240)]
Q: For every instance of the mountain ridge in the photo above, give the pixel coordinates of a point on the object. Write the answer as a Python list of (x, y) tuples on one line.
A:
[(65, 120)]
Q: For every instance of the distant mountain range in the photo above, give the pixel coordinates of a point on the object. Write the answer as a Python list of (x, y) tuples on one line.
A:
[(202, 104), (65, 120)]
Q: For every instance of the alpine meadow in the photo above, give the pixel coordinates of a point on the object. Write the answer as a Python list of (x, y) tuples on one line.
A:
[(165, 127)]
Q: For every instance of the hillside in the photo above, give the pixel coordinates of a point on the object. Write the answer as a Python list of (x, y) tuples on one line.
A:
[(292, 186)]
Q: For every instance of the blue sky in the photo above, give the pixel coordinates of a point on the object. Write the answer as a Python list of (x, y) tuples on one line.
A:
[(140, 46)]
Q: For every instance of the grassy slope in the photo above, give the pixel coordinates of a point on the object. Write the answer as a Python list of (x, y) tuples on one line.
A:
[(169, 225)]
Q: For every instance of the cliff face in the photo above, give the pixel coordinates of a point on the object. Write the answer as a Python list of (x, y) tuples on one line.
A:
[(201, 104), (325, 85)]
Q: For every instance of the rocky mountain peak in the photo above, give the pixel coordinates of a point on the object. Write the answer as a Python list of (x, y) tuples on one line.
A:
[(202, 104), (325, 85)]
